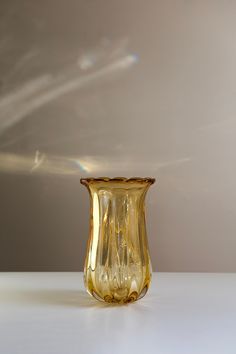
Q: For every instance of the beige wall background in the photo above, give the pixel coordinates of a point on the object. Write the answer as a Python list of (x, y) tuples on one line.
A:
[(127, 88)]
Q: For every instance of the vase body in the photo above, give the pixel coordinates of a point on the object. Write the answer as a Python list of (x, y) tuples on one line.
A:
[(117, 265)]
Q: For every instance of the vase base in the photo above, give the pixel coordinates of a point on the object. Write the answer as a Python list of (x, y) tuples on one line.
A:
[(134, 296), (131, 298)]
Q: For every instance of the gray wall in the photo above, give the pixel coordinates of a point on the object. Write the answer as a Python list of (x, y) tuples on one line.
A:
[(91, 88)]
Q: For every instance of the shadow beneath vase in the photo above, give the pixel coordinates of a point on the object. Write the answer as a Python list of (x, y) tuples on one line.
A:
[(55, 297), (65, 298)]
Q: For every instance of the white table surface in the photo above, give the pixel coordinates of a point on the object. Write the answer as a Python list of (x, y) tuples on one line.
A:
[(183, 313)]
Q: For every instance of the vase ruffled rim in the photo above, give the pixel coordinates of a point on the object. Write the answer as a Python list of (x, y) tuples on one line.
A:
[(118, 179)]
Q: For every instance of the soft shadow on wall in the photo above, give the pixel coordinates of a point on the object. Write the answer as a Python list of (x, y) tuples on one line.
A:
[(45, 213), (124, 88)]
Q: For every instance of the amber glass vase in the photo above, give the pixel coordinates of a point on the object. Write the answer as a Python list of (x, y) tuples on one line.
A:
[(117, 266)]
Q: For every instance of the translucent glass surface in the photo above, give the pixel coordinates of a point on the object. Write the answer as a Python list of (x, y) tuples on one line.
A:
[(117, 266)]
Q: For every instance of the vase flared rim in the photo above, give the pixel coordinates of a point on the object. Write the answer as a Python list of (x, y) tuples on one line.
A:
[(118, 179)]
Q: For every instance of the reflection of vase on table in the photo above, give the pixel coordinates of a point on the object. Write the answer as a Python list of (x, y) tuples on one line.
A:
[(117, 266)]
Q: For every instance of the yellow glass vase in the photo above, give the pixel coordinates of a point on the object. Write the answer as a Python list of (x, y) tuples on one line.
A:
[(117, 266)]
